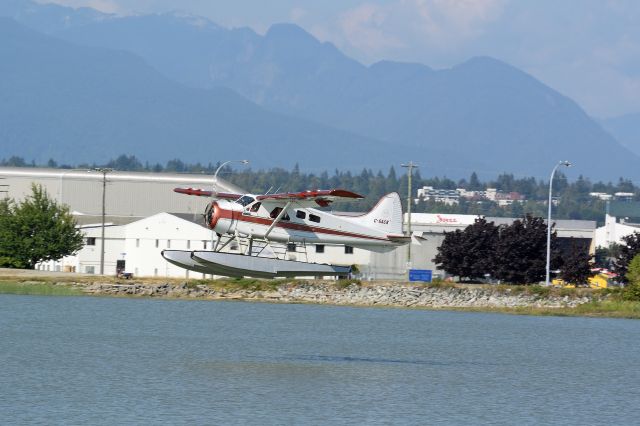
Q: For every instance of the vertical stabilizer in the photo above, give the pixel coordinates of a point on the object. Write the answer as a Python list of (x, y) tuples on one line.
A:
[(386, 216)]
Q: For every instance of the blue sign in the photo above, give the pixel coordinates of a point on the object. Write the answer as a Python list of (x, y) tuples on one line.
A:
[(420, 275)]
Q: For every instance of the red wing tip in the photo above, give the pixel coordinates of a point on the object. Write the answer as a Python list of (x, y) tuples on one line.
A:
[(344, 193), (206, 193), (193, 191)]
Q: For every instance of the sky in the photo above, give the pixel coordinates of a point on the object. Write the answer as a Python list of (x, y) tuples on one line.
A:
[(588, 50)]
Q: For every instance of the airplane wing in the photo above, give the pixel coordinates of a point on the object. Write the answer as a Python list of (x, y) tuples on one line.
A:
[(321, 197), (207, 193)]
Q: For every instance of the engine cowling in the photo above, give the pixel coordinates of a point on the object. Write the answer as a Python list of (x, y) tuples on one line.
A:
[(220, 216)]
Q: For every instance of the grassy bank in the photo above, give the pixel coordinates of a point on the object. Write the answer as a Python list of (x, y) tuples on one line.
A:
[(597, 309), (605, 303), (38, 289)]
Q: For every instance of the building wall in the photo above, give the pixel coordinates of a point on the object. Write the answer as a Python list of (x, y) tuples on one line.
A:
[(613, 232), (87, 260), (139, 194), (146, 238)]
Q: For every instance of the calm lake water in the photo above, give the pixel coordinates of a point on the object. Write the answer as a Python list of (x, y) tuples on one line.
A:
[(89, 360)]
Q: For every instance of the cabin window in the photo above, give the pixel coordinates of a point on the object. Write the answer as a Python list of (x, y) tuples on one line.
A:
[(157, 243), (348, 250), (188, 244), (291, 247), (204, 244), (91, 241), (319, 248), (275, 212), (168, 244), (254, 208), (301, 215), (137, 242), (245, 200), (314, 218)]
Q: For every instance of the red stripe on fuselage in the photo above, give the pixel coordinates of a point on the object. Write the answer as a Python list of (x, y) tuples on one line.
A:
[(235, 215)]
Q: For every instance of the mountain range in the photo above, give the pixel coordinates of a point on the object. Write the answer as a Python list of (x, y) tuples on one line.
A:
[(79, 104), (81, 85), (626, 129)]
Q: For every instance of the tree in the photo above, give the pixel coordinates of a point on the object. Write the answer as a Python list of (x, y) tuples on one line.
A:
[(521, 251), (632, 290), (633, 274), (8, 229), (626, 253), (469, 253), (36, 230), (126, 162), (474, 182), (604, 256), (576, 267)]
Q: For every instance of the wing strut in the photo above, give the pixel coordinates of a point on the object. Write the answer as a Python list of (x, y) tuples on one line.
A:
[(277, 219)]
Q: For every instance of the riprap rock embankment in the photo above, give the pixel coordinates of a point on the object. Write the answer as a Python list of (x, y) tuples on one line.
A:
[(390, 294)]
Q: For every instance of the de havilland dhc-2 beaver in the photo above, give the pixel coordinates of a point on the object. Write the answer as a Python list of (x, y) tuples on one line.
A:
[(285, 218)]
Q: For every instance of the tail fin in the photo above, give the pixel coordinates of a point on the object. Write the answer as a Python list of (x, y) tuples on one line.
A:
[(386, 216)]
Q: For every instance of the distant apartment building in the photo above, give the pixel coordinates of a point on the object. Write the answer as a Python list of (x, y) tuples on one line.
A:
[(453, 196), (601, 196), (624, 196), (446, 196), (618, 196)]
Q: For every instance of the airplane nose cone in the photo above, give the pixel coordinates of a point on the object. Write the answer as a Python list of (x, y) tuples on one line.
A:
[(212, 215)]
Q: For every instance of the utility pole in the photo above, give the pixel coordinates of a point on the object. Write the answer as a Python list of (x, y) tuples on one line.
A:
[(410, 166), (104, 171)]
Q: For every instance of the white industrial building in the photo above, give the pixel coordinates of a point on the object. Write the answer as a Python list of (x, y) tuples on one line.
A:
[(128, 194), (613, 231), (145, 216)]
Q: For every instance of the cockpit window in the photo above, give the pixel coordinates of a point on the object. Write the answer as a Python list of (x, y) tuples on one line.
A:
[(245, 200), (255, 207), (275, 212)]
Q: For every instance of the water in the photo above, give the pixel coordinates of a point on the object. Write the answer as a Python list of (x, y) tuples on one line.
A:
[(88, 360)]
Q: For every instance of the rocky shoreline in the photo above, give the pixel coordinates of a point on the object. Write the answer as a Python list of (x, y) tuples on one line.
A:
[(384, 294)]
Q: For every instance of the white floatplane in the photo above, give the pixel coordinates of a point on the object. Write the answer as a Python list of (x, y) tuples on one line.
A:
[(286, 218)]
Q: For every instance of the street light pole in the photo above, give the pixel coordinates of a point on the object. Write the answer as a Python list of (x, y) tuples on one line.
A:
[(104, 171), (215, 175), (553, 172), (410, 166)]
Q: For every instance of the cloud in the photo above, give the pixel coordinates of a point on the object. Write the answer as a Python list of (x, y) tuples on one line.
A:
[(436, 24), (366, 28)]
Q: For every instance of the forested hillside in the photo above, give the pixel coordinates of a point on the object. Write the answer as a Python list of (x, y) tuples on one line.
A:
[(574, 201)]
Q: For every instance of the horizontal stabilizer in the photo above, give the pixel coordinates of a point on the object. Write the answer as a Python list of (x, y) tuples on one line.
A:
[(402, 239)]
